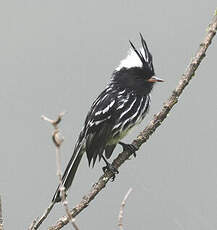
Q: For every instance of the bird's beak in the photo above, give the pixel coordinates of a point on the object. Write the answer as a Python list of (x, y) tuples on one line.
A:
[(155, 79)]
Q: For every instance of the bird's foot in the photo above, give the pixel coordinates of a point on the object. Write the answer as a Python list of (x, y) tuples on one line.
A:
[(112, 169), (129, 147)]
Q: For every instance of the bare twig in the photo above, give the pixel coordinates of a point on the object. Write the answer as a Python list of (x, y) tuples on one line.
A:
[(123, 203), (151, 127), (74, 224), (54, 122), (1, 217), (58, 140)]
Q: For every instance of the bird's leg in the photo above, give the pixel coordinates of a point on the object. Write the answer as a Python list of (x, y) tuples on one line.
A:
[(109, 167), (129, 147)]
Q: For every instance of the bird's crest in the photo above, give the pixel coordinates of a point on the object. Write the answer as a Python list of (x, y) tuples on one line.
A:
[(138, 58)]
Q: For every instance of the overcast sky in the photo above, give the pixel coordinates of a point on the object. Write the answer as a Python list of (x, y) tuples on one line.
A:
[(59, 55)]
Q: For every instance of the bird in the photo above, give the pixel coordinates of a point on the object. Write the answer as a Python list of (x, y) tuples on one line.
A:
[(121, 105)]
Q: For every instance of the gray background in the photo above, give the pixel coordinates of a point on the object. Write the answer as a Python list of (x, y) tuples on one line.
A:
[(58, 55)]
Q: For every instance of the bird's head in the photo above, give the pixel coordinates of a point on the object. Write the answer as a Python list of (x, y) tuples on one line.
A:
[(136, 71)]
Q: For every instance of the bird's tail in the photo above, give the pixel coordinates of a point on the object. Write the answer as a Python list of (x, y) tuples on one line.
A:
[(70, 170)]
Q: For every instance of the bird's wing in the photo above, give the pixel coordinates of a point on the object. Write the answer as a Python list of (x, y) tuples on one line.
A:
[(111, 116), (99, 123)]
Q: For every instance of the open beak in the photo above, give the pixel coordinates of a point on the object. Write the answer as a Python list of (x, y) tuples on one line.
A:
[(155, 79)]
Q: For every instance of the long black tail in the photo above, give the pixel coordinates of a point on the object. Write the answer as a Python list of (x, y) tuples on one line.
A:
[(70, 170)]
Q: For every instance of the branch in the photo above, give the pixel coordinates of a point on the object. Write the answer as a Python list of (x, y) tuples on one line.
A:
[(123, 203), (58, 140), (38, 221), (1, 218), (151, 127)]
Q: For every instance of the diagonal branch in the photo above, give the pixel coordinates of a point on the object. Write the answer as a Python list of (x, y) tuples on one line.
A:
[(151, 127)]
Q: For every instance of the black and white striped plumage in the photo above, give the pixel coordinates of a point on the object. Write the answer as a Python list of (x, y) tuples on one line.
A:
[(123, 104)]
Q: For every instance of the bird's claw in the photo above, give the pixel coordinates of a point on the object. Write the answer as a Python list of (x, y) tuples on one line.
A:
[(129, 147), (112, 169)]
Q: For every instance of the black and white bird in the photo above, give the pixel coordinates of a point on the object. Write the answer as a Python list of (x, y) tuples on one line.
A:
[(122, 105)]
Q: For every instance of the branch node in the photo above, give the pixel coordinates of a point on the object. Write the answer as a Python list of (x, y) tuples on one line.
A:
[(54, 122), (57, 138), (202, 44)]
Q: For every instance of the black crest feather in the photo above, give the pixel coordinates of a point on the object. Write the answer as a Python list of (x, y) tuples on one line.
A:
[(146, 59)]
